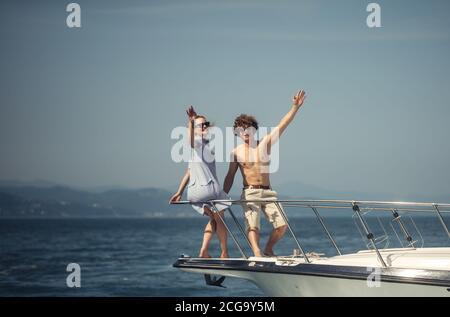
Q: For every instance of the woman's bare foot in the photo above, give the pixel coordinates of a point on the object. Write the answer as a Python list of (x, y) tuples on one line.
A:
[(257, 254), (204, 254), (224, 255)]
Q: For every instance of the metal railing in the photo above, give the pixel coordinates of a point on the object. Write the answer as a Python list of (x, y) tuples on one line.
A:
[(357, 207)]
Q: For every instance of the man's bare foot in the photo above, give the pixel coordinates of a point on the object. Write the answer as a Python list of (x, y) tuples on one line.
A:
[(269, 253), (224, 255)]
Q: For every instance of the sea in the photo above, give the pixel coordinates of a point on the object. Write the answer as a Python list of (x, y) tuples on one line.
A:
[(134, 257)]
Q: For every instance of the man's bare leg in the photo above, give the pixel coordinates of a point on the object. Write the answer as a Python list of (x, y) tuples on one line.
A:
[(275, 236), (210, 228), (221, 233), (253, 237)]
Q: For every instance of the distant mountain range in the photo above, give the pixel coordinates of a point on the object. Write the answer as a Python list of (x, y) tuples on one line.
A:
[(44, 199), (299, 189), (61, 201)]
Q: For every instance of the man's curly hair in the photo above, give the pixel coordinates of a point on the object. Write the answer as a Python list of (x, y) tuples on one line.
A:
[(245, 121)]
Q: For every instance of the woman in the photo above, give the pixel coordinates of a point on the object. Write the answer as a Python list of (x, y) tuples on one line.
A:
[(203, 184)]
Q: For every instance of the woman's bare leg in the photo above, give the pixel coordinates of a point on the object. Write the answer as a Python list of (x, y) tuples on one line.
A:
[(221, 234), (210, 228)]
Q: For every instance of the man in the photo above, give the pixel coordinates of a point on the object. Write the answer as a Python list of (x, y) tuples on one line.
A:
[(252, 158)]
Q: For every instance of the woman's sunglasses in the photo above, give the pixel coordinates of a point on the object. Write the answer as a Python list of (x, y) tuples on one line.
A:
[(203, 125)]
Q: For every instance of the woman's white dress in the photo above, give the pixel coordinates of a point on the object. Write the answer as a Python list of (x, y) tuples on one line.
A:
[(203, 184)]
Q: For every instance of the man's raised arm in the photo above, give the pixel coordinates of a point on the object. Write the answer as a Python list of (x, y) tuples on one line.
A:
[(297, 102)]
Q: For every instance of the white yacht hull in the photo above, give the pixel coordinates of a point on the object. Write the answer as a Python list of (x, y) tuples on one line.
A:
[(286, 285), (410, 272)]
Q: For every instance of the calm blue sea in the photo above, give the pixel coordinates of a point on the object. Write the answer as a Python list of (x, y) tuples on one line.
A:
[(134, 257)]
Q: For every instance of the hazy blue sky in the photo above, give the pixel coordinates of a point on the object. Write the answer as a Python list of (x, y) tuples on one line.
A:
[(96, 105)]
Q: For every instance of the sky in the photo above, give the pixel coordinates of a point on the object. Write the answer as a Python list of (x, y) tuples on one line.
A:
[(95, 105)]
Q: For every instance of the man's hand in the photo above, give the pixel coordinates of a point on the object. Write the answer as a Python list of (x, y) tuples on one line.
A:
[(299, 98), (191, 113)]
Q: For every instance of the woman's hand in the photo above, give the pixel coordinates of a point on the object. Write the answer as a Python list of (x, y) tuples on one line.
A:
[(191, 113), (299, 98), (176, 197)]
